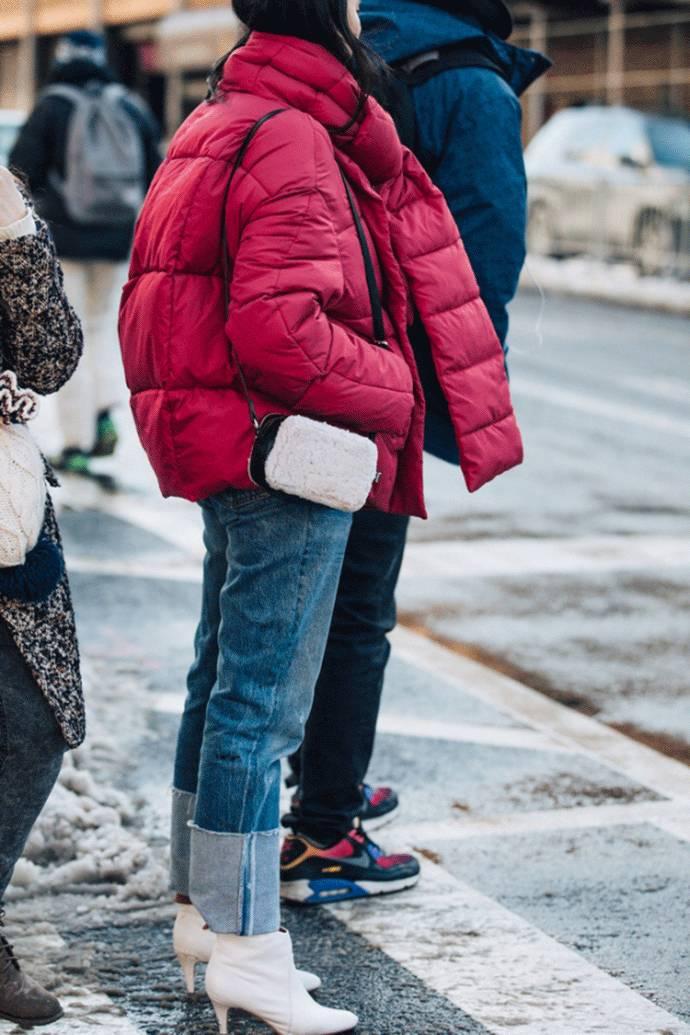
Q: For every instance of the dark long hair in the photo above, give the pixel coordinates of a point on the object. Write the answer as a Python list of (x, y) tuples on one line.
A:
[(319, 21)]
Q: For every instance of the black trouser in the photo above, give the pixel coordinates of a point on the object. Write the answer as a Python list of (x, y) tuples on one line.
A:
[(31, 750), (341, 731)]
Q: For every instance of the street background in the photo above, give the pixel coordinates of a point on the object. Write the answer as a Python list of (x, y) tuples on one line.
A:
[(536, 716), (536, 722)]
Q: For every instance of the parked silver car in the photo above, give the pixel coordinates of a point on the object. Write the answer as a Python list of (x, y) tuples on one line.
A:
[(10, 124), (611, 182)]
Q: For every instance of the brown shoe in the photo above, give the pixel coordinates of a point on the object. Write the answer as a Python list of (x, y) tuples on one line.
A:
[(22, 1000)]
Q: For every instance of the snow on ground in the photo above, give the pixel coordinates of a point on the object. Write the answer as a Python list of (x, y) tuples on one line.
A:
[(610, 282), (87, 836), (91, 835)]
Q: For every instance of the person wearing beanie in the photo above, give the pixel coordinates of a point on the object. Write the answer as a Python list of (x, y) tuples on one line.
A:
[(94, 251), (41, 704), (466, 128)]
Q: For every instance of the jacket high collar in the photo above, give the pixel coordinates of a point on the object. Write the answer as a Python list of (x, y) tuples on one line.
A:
[(303, 75)]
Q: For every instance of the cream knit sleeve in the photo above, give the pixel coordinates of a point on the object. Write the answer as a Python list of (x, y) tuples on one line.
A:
[(24, 227)]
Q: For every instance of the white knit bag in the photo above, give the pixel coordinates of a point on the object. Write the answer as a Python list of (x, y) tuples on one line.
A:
[(22, 477)]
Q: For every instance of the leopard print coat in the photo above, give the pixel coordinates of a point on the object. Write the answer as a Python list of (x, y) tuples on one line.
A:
[(41, 340)]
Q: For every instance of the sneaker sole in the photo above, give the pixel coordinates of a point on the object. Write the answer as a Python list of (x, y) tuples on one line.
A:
[(319, 892), (381, 821)]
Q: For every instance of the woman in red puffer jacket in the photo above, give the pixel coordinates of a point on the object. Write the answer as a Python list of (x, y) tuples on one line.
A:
[(300, 328)]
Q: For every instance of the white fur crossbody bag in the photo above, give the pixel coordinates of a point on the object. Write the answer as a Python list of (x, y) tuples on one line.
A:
[(298, 455)]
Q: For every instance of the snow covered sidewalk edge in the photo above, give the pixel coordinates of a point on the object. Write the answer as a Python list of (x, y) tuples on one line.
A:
[(606, 282)]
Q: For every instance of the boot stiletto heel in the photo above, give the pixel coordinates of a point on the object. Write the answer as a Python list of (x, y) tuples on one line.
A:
[(257, 974), (188, 967), (222, 1015), (193, 943)]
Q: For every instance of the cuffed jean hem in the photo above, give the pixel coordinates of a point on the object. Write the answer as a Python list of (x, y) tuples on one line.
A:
[(235, 880), (183, 806)]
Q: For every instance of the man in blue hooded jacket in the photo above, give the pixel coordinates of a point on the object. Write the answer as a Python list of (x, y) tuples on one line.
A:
[(465, 80)]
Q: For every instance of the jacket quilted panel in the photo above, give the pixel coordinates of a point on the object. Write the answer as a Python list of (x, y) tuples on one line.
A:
[(300, 319)]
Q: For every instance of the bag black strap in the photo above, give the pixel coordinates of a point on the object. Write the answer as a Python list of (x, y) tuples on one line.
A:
[(372, 283), (225, 251), (379, 329)]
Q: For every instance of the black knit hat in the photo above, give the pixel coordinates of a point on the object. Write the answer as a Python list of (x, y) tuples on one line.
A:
[(491, 14), (81, 45)]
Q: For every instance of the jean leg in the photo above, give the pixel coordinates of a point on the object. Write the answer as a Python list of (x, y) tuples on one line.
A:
[(200, 682), (31, 752), (284, 561), (341, 730)]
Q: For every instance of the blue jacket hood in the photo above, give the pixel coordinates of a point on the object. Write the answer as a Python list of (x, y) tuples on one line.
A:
[(400, 29)]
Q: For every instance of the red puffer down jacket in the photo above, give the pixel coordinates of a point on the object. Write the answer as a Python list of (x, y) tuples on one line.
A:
[(300, 319)]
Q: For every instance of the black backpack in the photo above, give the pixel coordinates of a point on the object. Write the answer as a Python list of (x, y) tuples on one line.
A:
[(396, 92)]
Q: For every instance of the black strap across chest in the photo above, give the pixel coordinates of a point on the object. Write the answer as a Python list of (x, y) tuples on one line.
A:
[(379, 331)]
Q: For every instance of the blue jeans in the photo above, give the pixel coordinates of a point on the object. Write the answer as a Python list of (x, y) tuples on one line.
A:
[(270, 579), (339, 740)]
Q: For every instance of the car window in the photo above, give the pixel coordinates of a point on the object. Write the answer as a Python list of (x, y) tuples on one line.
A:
[(556, 139), (591, 143), (626, 137), (670, 142)]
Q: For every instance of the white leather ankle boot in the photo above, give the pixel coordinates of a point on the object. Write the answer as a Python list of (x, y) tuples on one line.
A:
[(193, 943), (257, 974)]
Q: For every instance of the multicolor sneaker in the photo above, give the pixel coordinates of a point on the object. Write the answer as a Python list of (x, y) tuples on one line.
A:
[(353, 868), (107, 437), (379, 805)]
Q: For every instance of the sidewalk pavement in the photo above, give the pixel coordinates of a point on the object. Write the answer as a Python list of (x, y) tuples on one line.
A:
[(556, 851)]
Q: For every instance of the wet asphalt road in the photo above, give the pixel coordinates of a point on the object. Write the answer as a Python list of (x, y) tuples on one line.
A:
[(604, 403), (556, 897)]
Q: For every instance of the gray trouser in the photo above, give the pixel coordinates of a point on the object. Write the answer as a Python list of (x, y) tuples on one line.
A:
[(94, 289), (31, 750)]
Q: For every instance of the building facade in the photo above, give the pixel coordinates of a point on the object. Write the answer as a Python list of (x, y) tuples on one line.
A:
[(611, 51)]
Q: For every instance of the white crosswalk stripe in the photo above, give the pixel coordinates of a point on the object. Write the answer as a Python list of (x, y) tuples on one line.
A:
[(499, 968)]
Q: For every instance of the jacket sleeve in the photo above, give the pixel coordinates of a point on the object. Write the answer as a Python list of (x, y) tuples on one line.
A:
[(33, 154), (288, 276), (471, 120), (467, 354), (41, 334)]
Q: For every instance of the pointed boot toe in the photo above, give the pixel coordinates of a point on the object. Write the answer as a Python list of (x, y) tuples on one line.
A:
[(257, 974), (193, 944)]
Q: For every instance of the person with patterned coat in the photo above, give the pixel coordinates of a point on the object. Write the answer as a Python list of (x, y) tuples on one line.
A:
[(41, 702)]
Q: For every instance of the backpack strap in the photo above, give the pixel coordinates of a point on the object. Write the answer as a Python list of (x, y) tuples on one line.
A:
[(396, 96), (472, 54), (65, 91)]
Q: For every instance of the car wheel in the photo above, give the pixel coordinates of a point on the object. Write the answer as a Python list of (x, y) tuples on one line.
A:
[(540, 231), (655, 251)]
